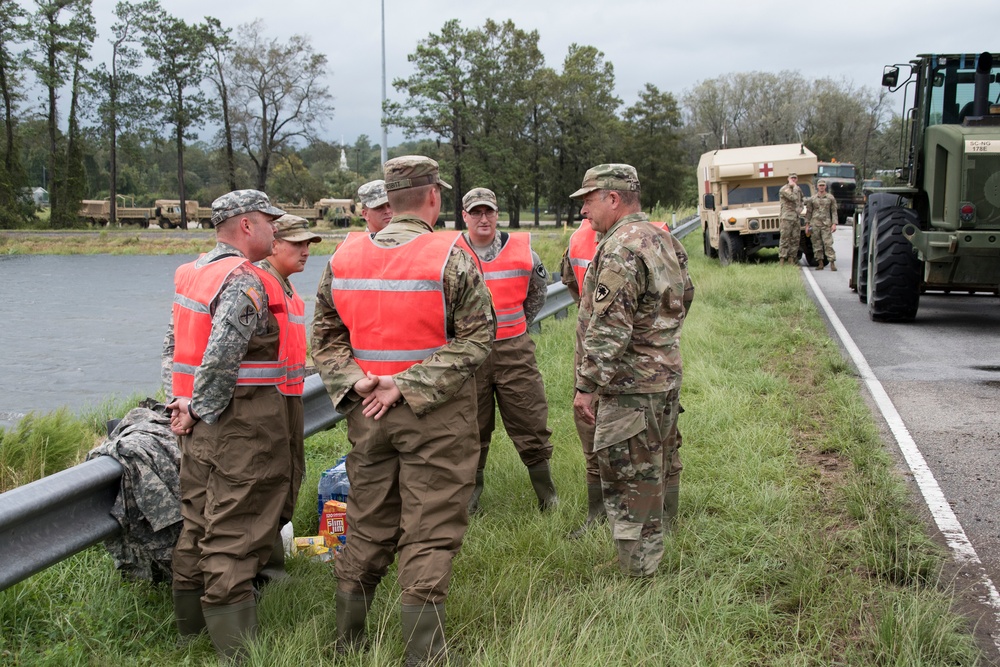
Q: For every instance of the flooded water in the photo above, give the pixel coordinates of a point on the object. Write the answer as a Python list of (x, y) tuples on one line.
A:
[(77, 330)]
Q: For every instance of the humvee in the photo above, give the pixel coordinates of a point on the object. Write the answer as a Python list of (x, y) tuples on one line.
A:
[(739, 203)]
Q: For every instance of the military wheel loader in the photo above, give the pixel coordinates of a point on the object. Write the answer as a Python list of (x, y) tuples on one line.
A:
[(939, 229)]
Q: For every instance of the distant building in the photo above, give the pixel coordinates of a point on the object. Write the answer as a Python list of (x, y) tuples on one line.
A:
[(343, 160), (39, 196)]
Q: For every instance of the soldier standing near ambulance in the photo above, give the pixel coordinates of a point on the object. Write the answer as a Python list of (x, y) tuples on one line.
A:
[(509, 377), (223, 352), (631, 313), (821, 216), (403, 320), (289, 254), (790, 198)]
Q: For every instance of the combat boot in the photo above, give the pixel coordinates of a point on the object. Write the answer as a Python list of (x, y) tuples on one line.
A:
[(595, 511), (819, 265), (781, 261), (545, 490), (230, 627), (671, 504), (352, 612), (833, 265), (476, 492), (423, 632), (274, 568), (187, 612)]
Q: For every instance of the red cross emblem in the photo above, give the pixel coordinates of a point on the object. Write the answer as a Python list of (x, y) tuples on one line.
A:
[(766, 169)]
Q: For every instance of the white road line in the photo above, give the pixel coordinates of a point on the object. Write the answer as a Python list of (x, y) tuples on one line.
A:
[(938, 505)]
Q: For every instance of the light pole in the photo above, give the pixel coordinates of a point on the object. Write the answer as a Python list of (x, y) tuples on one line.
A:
[(385, 132)]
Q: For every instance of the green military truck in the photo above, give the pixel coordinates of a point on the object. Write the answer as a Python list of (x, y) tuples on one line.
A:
[(739, 204), (938, 230), (841, 182)]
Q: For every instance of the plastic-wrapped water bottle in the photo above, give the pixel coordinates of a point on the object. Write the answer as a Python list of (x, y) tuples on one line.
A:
[(333, 484)]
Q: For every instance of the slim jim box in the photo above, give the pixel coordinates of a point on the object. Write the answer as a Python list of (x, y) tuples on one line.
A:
[(333, 524)]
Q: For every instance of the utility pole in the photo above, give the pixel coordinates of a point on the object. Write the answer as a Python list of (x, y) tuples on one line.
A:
[(385, 132)]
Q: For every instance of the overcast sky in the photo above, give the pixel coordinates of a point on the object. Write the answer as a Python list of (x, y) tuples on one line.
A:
[(673, 45)]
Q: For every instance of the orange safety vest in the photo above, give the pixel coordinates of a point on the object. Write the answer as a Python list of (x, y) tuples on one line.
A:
[(583, 245), (508, 276), (295, 345), (195, 290), (391, 299)]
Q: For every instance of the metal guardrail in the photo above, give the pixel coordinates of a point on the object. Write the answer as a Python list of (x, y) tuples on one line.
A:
[(51, 519)]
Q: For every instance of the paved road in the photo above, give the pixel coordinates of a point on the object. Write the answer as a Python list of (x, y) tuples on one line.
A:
[(942, 374)]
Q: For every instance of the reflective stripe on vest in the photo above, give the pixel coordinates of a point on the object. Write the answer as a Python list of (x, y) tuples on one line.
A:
[(508, 276), (195, 290), (391, 299)]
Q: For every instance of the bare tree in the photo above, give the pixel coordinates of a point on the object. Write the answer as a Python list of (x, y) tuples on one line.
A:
[(279, 95)]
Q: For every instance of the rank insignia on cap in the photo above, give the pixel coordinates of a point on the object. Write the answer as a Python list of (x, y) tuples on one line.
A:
[(602, 292)]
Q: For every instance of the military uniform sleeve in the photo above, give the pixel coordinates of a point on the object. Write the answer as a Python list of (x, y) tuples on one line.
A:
[(537, 288), (810, 207), (167, 361), (331, 349), (682, 259), (568, 277), (239, 311), (833, 209), (618, 283), (471, 326)]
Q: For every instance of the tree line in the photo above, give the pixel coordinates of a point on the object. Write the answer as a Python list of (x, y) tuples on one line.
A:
[(481, 100)]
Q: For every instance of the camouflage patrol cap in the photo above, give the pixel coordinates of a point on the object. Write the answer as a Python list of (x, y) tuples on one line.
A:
[(239, 202), (608, 177), (820, 182), (792, 174), (294, 229), (479, 197), (411, 171), (372, 194)]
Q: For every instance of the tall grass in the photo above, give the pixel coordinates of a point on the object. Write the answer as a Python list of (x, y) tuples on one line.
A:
[(795, 545)]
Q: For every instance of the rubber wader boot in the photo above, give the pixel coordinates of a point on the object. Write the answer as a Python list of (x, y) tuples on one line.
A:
[(187, 611), (274, 568), (671, 497), (352, 610), (819, 265), (423, 632), (833, 266), (484, 452), (541, 481), (595, 511), (230, 627)]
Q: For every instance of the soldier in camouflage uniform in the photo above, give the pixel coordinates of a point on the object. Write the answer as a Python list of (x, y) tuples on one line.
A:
[(232, 424), (631, 313), (790, 198), (290, 252), (413, 431), (821, 216), (375, 207), (509, 376)]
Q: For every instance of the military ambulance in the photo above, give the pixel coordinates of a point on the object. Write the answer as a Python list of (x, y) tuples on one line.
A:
[(739, 203)]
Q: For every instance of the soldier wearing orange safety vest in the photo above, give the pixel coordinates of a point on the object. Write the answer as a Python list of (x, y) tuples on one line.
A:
[(290, 252), (402, 321), (575, 262), (509, 377), (225, 350)]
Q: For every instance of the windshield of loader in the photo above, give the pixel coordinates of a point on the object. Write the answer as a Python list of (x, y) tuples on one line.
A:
[(953, 88)]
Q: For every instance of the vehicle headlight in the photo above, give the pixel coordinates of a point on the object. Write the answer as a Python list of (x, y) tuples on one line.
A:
[(754, 224)]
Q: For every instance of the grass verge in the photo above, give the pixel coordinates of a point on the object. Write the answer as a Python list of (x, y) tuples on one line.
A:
[(795, 545)]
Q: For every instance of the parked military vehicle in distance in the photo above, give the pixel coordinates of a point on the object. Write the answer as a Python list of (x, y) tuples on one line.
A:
[(841, 182), (939, 228), (167, 214), (739, 204), (98, 212), (338, 211)]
